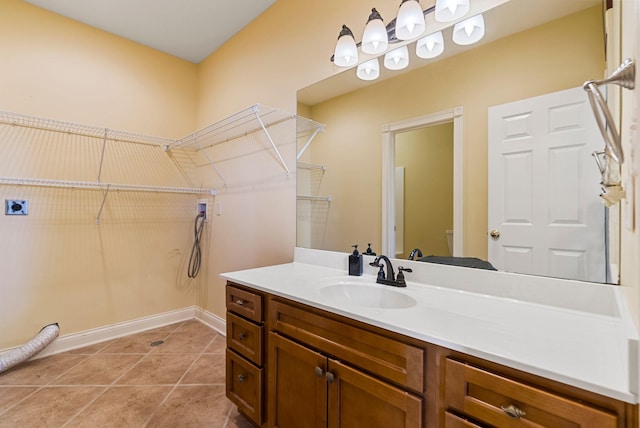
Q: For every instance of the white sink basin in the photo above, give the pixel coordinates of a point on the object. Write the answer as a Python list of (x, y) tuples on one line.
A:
[(370, 295)]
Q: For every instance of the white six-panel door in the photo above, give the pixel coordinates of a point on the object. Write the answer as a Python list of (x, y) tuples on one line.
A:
[(544, 188)]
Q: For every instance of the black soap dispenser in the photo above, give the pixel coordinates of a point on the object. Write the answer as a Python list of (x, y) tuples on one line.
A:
[(369, 251), (355, 262)]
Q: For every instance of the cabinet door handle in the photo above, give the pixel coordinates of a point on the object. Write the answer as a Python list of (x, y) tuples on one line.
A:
[(242, 378), (242, 336), (330, 377), (240, 302), (319, 372), (513, 411)]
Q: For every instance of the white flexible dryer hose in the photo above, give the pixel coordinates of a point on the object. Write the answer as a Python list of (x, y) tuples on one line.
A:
[(29, 349)]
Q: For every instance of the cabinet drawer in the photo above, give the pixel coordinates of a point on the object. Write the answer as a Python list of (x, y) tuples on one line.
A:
[(244, 386), (382, 356), (244, 337), (245, 303), (454, 421), (500, 401)]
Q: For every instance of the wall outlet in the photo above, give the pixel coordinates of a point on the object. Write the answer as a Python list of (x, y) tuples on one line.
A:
[(16, 207), (203, 208)]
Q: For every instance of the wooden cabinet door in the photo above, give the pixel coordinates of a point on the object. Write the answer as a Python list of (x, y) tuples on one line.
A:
[(359, 400), (297, 385)]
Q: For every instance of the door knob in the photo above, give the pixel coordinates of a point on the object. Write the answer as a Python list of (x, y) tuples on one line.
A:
[(495, 233)]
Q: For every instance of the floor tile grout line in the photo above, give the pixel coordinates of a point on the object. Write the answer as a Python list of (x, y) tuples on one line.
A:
[(226, 421), (72, 417), (48, 384), (175, 386), (85, 357), (107, 387), (38, 388)]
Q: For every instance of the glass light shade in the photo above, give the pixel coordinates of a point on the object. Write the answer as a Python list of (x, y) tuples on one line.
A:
[(397, 59), (346, 53), (469, 31), (369, 70), (375, 39), (410, 21), (450, 10), (430, 46)]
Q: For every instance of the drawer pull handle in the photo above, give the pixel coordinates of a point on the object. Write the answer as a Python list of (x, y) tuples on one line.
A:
[(242, 378), (242, 336), (513, 412), (319, 371), (330, 377), (240, 302)]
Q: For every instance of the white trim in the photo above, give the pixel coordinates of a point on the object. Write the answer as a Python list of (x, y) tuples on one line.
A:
[(388, 166), (458, 186), (84, 338), (212, 320)]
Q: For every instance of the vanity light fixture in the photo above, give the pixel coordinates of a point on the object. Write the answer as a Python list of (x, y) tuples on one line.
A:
[(469, 31), (450, 10), (430, 46), (346, 53), (375, 39), (410, 21), (410, 24), (369, 70), (397, 59)]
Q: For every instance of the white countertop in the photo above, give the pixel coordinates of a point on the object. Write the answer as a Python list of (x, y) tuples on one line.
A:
[(590, 344)]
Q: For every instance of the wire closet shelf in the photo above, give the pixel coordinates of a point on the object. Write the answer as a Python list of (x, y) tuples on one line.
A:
[(106, 134), (241, 124)]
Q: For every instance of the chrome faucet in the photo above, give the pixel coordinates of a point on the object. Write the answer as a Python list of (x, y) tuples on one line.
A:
[(390, 277), (413, 253)]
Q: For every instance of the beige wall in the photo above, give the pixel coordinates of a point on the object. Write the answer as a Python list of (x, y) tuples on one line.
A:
[(56, 264), (285, 49), (57, 68), (427, 156), (559, 55)]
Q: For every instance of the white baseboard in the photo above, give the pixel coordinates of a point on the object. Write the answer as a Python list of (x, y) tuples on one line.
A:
[(212, 320), (81, 339)]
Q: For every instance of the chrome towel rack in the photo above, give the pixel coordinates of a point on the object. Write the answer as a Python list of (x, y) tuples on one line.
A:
[(623, 76)]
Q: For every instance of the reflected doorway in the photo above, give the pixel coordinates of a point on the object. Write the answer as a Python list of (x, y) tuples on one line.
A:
[(424, 190), (394, 134)]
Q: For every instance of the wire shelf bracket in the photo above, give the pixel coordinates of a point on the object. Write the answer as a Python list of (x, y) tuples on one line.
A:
[(211, 162), (256, 118), (273, 145), (308, 129), (315, 198)]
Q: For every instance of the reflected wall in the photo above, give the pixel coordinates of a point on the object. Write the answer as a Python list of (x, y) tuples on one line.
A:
[(558, 55)]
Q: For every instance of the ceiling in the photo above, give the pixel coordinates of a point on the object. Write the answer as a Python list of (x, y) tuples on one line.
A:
[(190, 29)]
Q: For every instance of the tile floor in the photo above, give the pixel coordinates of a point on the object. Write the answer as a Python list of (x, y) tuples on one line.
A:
[(125, 382)]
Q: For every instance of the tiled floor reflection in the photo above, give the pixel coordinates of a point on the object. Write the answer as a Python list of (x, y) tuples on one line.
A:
[(125, 383)]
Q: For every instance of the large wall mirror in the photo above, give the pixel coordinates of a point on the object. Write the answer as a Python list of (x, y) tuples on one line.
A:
[(403, 162)]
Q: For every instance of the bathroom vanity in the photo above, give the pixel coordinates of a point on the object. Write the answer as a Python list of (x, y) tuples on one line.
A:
[(306, 342)]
